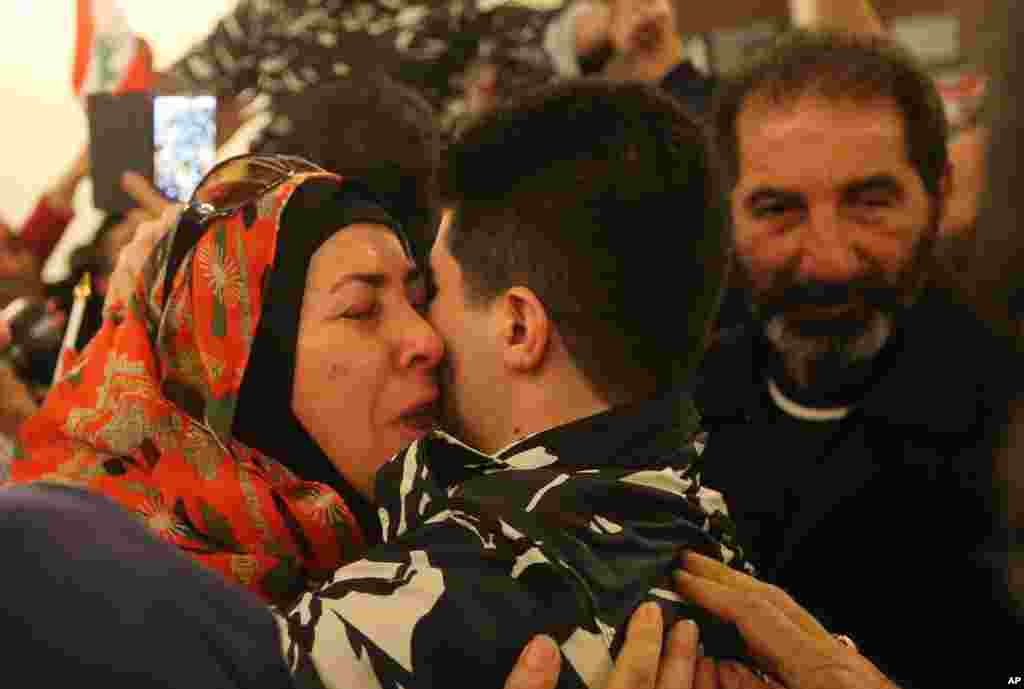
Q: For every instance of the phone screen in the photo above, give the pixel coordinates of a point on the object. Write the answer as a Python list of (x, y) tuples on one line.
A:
[(185, 142)]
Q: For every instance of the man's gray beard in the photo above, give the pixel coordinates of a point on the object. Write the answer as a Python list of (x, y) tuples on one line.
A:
[(803, 355)]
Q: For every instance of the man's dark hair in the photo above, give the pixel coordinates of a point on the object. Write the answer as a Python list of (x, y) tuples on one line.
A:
[(844, 68), (370, 127), (598, 197)]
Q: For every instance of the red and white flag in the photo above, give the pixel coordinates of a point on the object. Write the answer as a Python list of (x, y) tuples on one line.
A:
[(109, 56)]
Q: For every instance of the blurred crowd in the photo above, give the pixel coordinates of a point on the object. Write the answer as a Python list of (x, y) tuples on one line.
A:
[(742, 345)]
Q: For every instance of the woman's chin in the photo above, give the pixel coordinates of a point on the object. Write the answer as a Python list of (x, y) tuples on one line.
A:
[(414, 428)]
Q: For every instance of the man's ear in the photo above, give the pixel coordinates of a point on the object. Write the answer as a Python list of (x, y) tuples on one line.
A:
[(524, 328)]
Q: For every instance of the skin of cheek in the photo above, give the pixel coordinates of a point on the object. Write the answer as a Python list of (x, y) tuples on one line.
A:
[(338, 371), (762, 254)]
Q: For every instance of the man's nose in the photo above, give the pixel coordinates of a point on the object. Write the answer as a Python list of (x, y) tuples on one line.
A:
[(826, 254)]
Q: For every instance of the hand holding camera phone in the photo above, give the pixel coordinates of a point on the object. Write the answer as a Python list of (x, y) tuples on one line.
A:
[(170, 140)]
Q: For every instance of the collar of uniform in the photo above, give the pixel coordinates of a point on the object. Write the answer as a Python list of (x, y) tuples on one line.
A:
[(633, 435)]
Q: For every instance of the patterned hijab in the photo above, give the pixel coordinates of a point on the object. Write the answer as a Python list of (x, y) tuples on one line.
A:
[(154, 412)]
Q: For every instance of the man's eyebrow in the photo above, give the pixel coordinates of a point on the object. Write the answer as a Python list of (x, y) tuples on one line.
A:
[(764, 194), (881, 183), (376, 279)]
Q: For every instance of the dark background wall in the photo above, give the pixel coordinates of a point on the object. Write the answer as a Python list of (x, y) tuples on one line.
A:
[(701, 15)]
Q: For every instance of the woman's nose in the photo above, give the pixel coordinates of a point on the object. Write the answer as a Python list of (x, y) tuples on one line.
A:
[(422, 346)]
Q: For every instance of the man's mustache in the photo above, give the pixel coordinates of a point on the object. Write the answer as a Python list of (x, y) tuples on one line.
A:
[(864, 295)]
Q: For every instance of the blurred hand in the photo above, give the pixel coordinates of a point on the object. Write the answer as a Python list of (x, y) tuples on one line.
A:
[(133, 257), (61, 193), (967, 160), (81, 165), (592, 26), (5, 334), (640, 664), (787, 641), (482, 88), (232, 113), (150, 201), (646, 39)]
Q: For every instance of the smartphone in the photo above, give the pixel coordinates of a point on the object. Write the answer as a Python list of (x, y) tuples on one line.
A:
[(170, 140), (185, 142)]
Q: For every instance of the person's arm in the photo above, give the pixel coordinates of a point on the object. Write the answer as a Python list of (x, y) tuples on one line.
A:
[(646, 39), (407, 614), (133, 257), (577, 33), (853, 16), (54, 210), (648, 46), (967, 161)]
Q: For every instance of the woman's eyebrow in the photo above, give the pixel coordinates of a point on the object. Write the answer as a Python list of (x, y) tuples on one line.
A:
[(371, 279), (375, 279)]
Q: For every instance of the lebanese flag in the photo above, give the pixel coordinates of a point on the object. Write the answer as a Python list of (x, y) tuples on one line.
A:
[(108, 55)]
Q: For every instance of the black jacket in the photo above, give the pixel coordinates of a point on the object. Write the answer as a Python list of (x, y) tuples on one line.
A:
[(882, 524)]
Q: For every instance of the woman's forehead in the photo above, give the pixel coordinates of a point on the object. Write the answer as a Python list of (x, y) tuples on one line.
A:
[(363, 248)]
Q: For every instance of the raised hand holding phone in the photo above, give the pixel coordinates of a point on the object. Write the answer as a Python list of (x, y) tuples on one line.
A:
[(170, 141)]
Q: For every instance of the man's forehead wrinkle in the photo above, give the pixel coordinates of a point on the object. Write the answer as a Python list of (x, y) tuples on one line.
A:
[(821, 119), (785, 148)]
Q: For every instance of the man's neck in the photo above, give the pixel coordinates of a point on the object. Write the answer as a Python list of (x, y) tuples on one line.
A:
[(537, 406)]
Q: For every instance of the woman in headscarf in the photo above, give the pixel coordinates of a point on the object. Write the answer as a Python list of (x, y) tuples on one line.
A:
[(256, 345)]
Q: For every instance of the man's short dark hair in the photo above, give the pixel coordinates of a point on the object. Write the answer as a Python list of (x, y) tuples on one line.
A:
[(374, 128), (598, 197), (845, 68)]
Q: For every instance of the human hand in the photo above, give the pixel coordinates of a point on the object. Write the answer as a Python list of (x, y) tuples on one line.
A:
[(786, 641), (640, 664), (133, 257), (591, 26), (150, 201), (61, 193), (646, 39)]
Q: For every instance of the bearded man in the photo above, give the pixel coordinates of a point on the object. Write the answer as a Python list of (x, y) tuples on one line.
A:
[(852, 416)]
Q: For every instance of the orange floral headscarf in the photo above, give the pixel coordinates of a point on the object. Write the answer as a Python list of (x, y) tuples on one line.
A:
[(144, 415)]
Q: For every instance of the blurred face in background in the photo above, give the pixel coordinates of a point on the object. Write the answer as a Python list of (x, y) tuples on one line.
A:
[(832, 225), (637, 26)]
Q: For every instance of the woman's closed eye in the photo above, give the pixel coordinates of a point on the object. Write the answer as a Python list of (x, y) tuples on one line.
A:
[(355, 301), (361, 311)]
